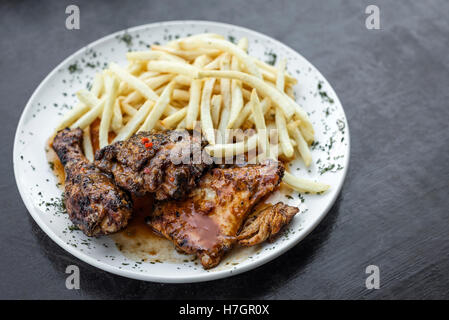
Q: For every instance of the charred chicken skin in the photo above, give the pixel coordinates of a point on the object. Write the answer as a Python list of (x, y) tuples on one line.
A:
[(160, 163), (266, 224), (207, 222), (93, 201)]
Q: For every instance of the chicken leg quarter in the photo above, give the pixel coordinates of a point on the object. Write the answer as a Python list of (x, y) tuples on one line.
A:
[(93, 201)]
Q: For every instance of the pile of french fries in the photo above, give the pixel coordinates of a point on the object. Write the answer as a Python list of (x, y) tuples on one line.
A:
[(202, 79)]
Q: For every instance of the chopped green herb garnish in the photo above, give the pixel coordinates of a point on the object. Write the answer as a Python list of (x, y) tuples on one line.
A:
[(74, 68), (272, 58), (126, 38)]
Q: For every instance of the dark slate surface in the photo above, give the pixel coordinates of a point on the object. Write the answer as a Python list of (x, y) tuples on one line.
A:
[(393, 209)]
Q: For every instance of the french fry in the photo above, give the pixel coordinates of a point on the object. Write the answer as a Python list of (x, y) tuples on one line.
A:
[(183, 80), (133, 98), (187, 54), (224, 119), (207, 125), (290, 92), (284, 138), (87, 145), (243, 44), (225, 89), (174, 67), (293, 142), (129, 110), (169, 110), (280, 77), (301, 144), (87, 98), (237, 98), (246, 112), (182, 95), (182, 124), (306, 133), (153, 55), (303, 185), (177, 104), (156, 82), (148, 74), (124, 89), (272, 71), (130, 128), (97, 85), (175, 43), (159, 90), (72, 116), (215, 109), (259, 121), (158, 109), (139, 85), (202, 60), (194, 104), (111, 90), (288, 106), (229, 149), (226, 46), (236, 104), (171, 121), (281, 124), (117, 117), (134, 82), (90, 116), (82, 108), (134, 67), (214, 64)]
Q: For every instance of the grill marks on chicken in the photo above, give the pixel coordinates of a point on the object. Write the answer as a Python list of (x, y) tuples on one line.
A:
[(201, 214), (207, 222), (266, 224), (159, 163), (93, 201)]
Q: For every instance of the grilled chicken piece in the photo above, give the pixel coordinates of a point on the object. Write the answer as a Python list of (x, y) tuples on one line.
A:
[(207, 221), (167, 164), (266, 224), (93, 201)]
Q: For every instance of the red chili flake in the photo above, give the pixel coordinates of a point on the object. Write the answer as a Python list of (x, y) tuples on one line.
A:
[(148, 145), (144, 140), (172, 179)]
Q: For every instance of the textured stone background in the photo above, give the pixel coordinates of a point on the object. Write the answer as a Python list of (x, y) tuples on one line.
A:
[(393, 209)]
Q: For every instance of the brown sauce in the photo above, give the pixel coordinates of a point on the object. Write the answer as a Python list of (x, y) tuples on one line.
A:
[(55, 164), (205, 231), (137, 241)]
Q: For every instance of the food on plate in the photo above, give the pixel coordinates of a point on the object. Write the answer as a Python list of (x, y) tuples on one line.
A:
[(265, 224), (207, 222), (154, 162), (162, 126), (93, 201)]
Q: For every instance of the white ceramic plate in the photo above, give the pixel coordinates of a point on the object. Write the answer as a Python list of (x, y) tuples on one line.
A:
[(56, 93)]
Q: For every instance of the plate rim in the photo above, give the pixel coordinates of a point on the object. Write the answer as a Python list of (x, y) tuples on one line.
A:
[(172, 278)]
